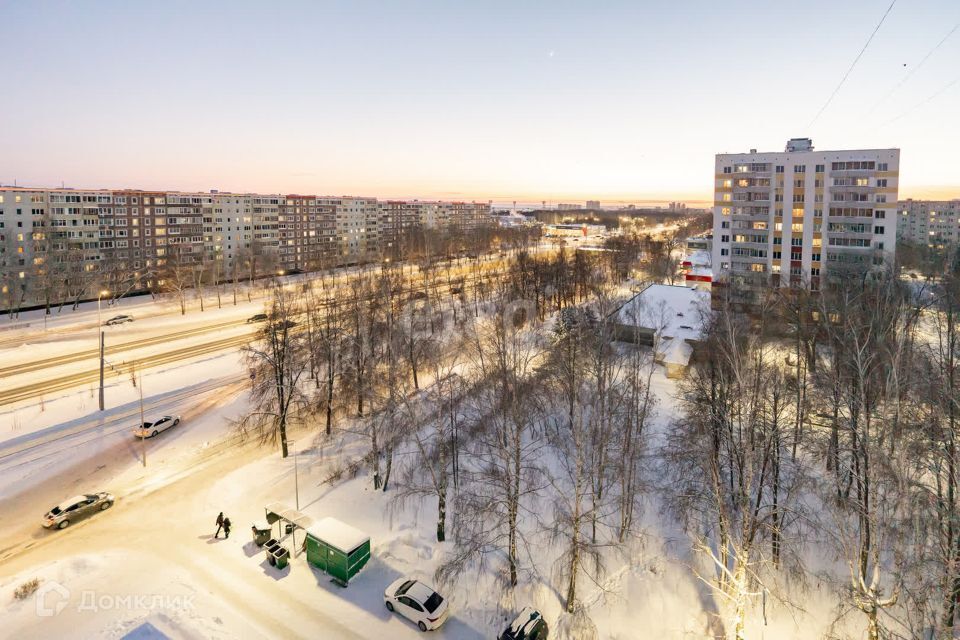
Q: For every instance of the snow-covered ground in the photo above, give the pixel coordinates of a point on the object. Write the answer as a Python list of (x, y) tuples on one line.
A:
[(151, 563)]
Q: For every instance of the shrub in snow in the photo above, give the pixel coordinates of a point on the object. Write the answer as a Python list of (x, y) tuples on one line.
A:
[(26, 590), (576, 626)]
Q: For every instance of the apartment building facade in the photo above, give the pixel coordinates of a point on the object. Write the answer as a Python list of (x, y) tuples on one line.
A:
[(787, 219), (931, 223), (67, 243)]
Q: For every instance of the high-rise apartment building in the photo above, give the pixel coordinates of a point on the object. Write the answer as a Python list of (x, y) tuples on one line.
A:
[(931, 223), (790, 218)]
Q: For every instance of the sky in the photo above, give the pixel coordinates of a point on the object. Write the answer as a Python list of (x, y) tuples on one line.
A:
[(528, 101)]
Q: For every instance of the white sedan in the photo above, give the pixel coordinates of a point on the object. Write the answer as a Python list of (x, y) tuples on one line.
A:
[(150, 429), (417, 602)]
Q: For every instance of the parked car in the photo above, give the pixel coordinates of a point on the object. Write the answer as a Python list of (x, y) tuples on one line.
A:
[(150, 429), (456, 291), (77, 508), (418, 295), (528, 625), (417, 602), (286, 324), (260, 317), (118, 320)]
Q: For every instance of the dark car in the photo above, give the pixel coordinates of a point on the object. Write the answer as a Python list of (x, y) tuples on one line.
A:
[(286, 324), (418, 295), (456, 290), (260, 317), (118, 320), (528, 625)]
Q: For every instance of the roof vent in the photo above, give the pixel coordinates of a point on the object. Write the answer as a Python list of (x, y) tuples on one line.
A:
[(799, 144)]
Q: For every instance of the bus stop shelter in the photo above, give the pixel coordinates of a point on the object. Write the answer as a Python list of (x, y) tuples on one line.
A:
[(281, 515)]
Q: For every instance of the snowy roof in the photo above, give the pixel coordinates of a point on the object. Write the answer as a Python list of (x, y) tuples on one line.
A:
[(698, 258), (289, 514), (673, 311), (338, 534)]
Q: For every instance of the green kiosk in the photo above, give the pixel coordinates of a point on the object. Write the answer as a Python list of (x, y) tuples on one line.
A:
[(337, 548)]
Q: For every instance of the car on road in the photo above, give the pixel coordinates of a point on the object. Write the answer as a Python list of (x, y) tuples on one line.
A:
[(118, 320), (286, 324), (418, 295), (456, 291), (417, 602), (77, 508), (151, 429), (260, 317), (528, 625)]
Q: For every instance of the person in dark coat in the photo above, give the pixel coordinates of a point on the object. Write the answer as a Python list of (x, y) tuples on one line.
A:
[(219, 525), (226, 527)]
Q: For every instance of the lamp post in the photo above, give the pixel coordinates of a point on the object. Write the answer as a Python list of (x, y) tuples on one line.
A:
[(296, 473), (100, 295)]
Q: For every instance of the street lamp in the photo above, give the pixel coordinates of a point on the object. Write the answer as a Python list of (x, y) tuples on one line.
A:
[(296, 473), (100, 295)]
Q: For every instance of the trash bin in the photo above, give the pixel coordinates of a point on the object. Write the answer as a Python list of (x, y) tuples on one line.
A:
[(281, 557), (270, 546), (288, 528), (260, 535)]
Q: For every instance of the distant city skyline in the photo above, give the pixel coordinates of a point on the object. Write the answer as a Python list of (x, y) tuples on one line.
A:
[(500, 101)]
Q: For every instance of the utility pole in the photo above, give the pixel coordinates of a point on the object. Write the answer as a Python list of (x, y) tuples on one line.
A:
[(101, 369), (296, 474), (100, 331), (143, 436)]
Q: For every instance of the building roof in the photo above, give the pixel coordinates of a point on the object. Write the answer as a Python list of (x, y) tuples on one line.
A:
[(338, 534), (675, 312)]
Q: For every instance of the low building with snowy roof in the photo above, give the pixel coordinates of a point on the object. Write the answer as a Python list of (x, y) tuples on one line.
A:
[(666, 317)]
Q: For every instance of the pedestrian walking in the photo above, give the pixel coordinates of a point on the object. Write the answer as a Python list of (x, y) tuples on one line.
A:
[(226, 527), (219, 525)]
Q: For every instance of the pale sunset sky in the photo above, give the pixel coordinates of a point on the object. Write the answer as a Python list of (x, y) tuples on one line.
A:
[(557, 101)]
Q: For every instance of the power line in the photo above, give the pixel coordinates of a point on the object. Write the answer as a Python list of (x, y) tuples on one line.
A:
[(854, 64), (922, 103), (916, 68)]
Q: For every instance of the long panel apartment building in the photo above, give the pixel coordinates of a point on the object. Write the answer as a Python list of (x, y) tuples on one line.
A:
[(790, 218), (931, 223), (58, 244)]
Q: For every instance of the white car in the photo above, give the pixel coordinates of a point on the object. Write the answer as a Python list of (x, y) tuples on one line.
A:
[(150, 429), (416, 601), (77, 508)]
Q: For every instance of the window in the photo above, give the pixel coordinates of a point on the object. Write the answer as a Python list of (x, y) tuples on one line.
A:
[(799, 168), (882, 166), (878, 231), (724, 238), (728, 169), (724, 252), (882, 182), (881, 197), (777, 255), (779, 168), (880, 214), (819, 168), (797, 227)]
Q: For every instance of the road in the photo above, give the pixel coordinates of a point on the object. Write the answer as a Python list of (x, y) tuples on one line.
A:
[(12, 393)]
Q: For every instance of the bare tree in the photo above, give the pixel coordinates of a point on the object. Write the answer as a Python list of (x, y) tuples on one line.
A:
[(277, 360), (502, 477)]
